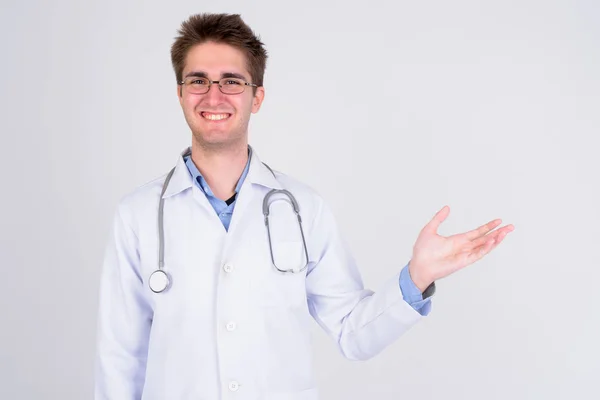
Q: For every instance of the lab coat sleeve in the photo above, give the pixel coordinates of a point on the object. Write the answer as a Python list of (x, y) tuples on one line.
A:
[(360, 321), (124, 317)]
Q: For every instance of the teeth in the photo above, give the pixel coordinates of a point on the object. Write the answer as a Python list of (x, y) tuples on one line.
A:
[(215, 117)]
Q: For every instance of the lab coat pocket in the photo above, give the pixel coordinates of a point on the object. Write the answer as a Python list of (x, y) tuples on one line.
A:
[(276, 288)]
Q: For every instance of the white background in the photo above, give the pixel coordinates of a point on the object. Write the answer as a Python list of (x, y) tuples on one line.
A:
[(390, 110)]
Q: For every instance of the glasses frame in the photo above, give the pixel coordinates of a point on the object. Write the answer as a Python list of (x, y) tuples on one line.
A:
[(210, 83)]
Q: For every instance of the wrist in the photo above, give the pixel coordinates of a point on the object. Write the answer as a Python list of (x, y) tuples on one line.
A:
[(420, 281)]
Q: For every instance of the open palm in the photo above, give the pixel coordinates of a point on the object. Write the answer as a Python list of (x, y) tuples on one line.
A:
[(435, 256)]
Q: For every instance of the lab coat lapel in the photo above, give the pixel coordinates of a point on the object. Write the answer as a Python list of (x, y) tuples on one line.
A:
[(181, 179), (257, 183)]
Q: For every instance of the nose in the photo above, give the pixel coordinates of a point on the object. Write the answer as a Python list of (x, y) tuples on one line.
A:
[(214, 96)]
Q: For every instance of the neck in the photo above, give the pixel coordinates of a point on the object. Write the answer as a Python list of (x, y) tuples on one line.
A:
[(221, 167)]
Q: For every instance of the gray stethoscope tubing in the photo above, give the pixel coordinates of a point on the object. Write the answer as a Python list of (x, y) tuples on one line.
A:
[(292, 201), (160, 281)]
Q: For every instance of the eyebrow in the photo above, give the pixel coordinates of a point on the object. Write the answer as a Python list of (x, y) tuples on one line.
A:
[(201, 74)]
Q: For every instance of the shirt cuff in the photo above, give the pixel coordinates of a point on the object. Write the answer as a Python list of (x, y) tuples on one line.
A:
[(412, 295)]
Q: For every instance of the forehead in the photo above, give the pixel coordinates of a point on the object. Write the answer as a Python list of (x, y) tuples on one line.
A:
[(215, 59)]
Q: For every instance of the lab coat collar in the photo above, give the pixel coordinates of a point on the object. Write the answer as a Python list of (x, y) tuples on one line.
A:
[(258, 173)]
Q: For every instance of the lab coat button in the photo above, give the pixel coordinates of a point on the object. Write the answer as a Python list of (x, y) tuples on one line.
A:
[(227, 268), (230, 326), (234, 386)]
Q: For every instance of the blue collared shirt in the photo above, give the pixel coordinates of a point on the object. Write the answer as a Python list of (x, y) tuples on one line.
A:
[(223, 210), (411, 294)]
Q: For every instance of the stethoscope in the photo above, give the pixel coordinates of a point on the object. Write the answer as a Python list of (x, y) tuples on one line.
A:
[(160, 280)]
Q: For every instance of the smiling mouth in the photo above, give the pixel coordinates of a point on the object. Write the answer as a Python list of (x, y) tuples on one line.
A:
[(214, 116)]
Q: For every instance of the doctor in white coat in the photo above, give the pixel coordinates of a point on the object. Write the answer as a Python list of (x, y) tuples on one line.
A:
[(230, 324)]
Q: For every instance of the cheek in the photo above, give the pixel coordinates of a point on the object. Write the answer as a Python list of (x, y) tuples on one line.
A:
[(189, 105), (247, 105)]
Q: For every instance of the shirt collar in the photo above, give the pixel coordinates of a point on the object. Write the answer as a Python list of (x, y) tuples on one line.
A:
[(201, 182), (256, 173)]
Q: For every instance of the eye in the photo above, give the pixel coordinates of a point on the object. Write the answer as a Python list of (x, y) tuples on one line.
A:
[(232, 82), (197, 81)]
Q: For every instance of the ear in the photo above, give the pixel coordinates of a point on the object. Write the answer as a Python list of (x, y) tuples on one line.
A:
[(258, 99), (180, 93)]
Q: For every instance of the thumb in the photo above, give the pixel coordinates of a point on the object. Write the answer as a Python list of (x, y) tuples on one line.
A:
[(438, 218)]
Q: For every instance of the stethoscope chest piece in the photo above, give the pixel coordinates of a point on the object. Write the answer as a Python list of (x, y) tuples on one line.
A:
[(159, 281)]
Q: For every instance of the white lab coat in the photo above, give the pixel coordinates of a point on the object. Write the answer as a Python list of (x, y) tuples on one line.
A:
[(231, 326)]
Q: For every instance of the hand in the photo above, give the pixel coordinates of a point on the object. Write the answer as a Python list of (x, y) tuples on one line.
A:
[(435, 257)]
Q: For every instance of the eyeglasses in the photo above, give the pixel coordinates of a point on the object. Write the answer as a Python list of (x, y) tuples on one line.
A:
[(196, 85)]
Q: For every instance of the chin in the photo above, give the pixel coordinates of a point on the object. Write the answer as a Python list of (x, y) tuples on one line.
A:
[(214, 139)]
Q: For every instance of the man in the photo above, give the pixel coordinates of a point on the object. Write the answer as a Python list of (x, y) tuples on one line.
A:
[(196, 306)]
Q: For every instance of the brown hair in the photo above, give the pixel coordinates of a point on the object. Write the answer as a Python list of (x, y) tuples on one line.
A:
[(220, 28)]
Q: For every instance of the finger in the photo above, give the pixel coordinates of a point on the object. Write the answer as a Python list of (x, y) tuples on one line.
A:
[(504, 232), (475, 244), (496, 235), (482, 230), (481, 251), (492, 240), (438, 218)]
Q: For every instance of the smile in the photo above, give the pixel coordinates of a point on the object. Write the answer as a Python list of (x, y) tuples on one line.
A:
[(215, 117)]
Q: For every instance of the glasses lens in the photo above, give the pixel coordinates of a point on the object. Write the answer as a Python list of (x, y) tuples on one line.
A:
[(232, 85), (196, 85)]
